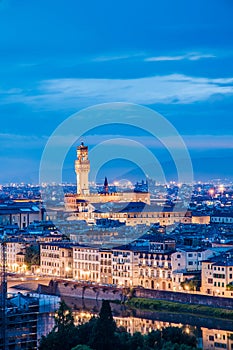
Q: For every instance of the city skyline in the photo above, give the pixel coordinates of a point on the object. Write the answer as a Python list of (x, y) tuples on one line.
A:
[(116, 177), (173, 58)]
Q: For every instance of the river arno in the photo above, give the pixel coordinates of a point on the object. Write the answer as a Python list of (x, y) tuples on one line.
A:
[(211, 333)]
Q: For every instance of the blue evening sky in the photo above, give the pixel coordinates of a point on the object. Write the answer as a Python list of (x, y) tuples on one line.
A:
[(57, 57)]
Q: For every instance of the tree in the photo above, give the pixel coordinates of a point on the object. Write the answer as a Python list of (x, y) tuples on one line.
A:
[(85, 330), (230, 286), (103, 335), (64, 334), (64, 319), (123, 340), (32, 255), (170, 346), (153, 339), (81, 347), (191, 284), (177, 336), (137, 341)]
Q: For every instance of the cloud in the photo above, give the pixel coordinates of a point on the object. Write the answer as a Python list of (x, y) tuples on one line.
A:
[(114, 58), (193, 56), (76, 93)]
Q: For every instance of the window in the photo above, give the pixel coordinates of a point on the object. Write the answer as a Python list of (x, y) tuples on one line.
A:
[(220, 345)]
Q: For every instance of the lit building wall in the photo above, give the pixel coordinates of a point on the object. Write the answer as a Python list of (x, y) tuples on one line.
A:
[(155, 271), (214, 339), (56, 260), (146, 218), (216, 276), (86, 264), (105, 266), (201, 220), (125, 267), (13, 260)]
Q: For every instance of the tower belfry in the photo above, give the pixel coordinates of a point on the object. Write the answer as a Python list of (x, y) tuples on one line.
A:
[(82, 168)]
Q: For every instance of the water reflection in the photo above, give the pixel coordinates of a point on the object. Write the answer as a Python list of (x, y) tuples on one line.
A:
[(211, 333)]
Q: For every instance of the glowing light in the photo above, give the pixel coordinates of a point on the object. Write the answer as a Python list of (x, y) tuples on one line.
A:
[(211, 192), (221, 188)]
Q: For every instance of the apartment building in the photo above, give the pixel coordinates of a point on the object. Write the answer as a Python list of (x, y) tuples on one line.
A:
[(155, 270), (105, 266), (56, 259), (66, 261), (15, 252), (86, 263), (21, 323), (151, 262), (187, 262), (19, 213), (125, 261), (216, 339), (217, 276)]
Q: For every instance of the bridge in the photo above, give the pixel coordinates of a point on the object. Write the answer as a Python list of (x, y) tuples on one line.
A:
[(29, 283)]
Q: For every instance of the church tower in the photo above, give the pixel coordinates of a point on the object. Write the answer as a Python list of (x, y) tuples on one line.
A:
[(82, 168), (105, 185)]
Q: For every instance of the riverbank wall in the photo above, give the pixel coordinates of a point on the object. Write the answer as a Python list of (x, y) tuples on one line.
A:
[(185, 298), (73, 289)]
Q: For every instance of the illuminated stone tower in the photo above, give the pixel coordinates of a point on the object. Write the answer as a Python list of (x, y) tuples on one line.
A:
[(82, 168)]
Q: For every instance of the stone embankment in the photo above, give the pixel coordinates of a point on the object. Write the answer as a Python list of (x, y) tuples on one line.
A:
[(84, 291), (185, 298), (97, 292)]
